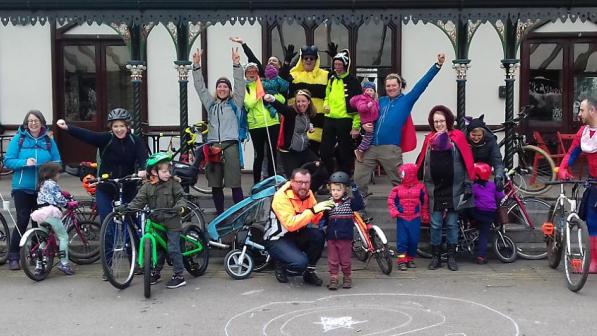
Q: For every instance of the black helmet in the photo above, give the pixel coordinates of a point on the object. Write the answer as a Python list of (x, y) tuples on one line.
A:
[(119, 114), (340, 177)]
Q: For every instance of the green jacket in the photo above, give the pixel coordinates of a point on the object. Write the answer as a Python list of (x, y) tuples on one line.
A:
[(339, 90), (160, 195), (258, 115)]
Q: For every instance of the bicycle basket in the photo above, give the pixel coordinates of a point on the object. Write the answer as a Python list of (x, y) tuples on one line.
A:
[(188, 174)]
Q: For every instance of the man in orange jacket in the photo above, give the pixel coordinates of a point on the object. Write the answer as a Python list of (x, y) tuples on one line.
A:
[(294, 246)]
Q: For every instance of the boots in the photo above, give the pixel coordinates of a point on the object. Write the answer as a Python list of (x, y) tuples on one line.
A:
[(436, 258), (593, 244), (13, 261), (333, 285), (452, 258), (311, 277)]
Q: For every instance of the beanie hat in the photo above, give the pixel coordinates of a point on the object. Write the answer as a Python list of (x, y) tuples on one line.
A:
[(270, 71), (251, 65), (476, 123), (225, 81), (368, 85), (344, 57)]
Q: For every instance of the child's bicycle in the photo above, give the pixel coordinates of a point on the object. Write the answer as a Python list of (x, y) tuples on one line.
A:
[(370, 241), (193, 247), (565, 233)]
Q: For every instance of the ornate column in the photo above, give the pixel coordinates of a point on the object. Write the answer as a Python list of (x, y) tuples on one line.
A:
[(183, 68), (510, 66), (136, 68), (461, 66)]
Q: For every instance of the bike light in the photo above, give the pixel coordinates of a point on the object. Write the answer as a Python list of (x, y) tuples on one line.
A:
[(548, 228)]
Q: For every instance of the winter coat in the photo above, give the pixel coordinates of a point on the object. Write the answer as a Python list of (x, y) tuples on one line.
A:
[(486, 196), (224, 116), (461, 172), (409, 199), (24, 146), (258, 116), (488, 151), (160, 195), (119, 157), (294, 128), (366, 113), (339, 90), (50, 193), (339, 220)]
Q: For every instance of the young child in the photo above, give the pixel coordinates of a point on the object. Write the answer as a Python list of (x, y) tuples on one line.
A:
[(49, 198), (409, 204), (340, 228), (162, 190), (368, 107), (276, 86), (487, 199)]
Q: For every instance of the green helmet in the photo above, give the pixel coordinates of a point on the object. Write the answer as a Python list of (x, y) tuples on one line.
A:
[(156, 158)]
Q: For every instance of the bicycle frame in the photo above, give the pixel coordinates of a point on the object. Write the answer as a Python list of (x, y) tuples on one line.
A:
[(512, 194), (363, 230)]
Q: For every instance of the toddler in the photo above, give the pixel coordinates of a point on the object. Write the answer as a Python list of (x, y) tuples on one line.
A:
[(368, 107)]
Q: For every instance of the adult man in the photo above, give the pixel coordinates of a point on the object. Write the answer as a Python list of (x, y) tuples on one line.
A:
[(394, 111), (341, 120), (585, 141), (295, 247)]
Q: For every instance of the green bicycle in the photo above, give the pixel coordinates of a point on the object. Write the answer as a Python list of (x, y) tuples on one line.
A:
[(193, 246)]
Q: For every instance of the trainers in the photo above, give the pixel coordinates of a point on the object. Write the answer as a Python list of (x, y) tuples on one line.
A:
[(359, 155), (411, 264), (481, 260), (281, 275), (333, 284), (66, 269), (176, 281), (104, 277), (155, 278), (347, 282), (13, 265), (402, 266), (312, 278)]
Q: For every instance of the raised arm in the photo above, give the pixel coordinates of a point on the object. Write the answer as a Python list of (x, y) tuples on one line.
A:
[(249, 53), (198, 81), (422, 84), (239, 79)]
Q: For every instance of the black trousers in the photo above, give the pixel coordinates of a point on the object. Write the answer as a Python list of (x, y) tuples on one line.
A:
[(25, 203), (337, 131), (260, 147)]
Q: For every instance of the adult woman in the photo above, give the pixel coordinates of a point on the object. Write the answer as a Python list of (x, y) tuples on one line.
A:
[(121, 153), (28, 149), (446, 162), (293, 142), (224, 129), (485, 148)]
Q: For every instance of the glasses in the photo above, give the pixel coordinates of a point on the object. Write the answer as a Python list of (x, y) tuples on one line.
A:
[(33, 121), (309, 58), (301, 182), (439, 121)]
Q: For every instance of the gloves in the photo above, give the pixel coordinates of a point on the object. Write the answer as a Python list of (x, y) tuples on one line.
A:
[(323, 206), (289, 53), (425, 218), (564, 174), (499, 183), (121, 208), (66, 194), (332, 49)]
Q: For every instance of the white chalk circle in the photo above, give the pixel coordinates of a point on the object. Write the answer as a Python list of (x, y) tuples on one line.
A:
[(386, 314)]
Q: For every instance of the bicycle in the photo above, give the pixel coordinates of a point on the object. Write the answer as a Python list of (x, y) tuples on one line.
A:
[(370, 241), (193, 247), (248, 253), (523, 217), (3, 170), (567, 234), (4, 239), (83, 235), (533, 166)]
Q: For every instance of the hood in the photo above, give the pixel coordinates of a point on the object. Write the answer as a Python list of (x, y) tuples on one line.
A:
[(344, 57), (299, 66), (408, 173), (25, 132)]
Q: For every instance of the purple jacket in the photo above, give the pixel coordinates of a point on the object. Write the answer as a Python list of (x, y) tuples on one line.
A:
[(486, 196)]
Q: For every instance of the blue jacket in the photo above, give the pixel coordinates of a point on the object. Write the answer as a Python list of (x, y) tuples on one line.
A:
[(394, 111), (42, 148)]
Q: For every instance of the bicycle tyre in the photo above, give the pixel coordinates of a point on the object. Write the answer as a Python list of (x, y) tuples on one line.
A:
[(194, 215), (579, 248), (382, 254), (86, 253), (235, 270), (121, 273), (261, 258), (87, 211), (528, 237), (504, 248), (32, 254), (4, 240), (3, 170), (554, 243), (534, 165), (359, 248), (196, 264), (147, 268)]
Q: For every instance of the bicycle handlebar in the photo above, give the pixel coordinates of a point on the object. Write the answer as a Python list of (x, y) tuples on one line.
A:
[(106, 179), (593, 182)]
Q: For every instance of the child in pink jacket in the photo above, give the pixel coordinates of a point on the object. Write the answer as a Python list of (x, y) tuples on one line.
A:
[(368, 107)]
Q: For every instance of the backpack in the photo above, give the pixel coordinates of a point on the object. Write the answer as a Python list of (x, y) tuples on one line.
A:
[(98, 155), (47, 147)]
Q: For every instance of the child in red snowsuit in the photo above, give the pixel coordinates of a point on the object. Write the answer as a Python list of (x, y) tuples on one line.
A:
[(409, 204), (368, 107)]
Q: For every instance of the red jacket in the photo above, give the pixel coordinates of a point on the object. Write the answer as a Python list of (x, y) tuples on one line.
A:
[(409, 200)]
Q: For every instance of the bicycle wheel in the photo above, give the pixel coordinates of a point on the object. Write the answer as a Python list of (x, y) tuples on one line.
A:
[(35, 258), (84, 244), (577, 254), (528, 234), (118, 250), (147, 268), (3, 170), (236, 269), (261, 259), (195, 264), (194, 215), (4, 240), (87, 211), (534, 167), (382, 253), (555, 242), (424, 250), (359, 247), (504, 248)]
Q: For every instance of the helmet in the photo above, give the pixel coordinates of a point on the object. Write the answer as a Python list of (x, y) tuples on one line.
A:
[(340, 177), (482, 171), (88, 185), (119, 114), (157, 158)]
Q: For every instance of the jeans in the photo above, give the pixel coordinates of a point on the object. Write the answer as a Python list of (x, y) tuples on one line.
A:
[(25, 203), (437, 221), (104, 207), (297, 250), (173, 252)]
